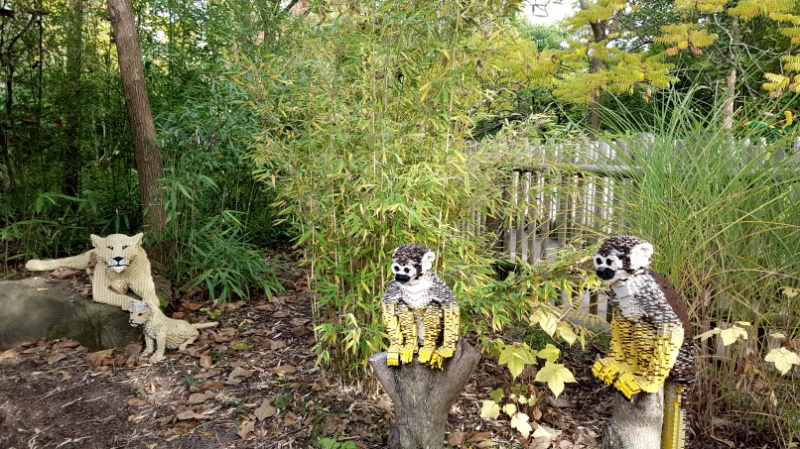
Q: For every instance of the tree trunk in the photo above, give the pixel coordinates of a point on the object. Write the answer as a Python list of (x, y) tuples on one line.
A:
[(73, 116), (596, 65), (148, 159), (730, 95), (637, 424), (422, 396)]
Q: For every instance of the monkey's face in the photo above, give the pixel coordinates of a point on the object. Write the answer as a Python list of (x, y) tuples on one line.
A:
[(410, 262), (621, 257), (404, 273), (609, 267)]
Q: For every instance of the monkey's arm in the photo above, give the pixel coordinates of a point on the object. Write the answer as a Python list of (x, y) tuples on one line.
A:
[(615, 363), (451, 320), (656, 337), (392, 323), (658, 348)]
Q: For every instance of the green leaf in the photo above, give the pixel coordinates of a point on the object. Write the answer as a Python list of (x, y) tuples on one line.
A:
[(516, 358), (497, 394), (555, 375), (550, 353)]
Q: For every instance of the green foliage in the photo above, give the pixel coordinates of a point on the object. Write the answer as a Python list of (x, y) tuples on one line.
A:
[(68, 109), (365, 124), (331, 443)]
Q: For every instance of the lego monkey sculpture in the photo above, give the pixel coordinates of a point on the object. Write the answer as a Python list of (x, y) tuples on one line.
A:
[(419, 310), (651, 337)]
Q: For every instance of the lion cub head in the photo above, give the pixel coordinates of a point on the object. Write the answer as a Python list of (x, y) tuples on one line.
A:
[(140, 313), (117, 251)]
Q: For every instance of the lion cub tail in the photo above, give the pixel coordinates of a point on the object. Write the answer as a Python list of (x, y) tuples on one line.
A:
[(205, 325), (80, 261)]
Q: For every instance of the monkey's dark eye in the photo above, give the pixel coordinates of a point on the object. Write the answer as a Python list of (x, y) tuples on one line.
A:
[(405, 269), (111, 248), (396, 268), (124, 247), (608, 261), (598, 261)]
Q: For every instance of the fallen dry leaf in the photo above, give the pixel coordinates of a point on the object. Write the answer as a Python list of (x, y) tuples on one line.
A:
[(205, 361), (65, 344), (54, 357), (99, 358), (246, 429), (540, 443), (10, 354), (223, 335), (283, 370), (198, 398), (186, 414), (280, 314), (477, 437), (240, 372), (276, 344), (290, 419), (300, 321), (456, 438), (190, 414), (136, 402), (266, 410), (191, 306), (207, 385)]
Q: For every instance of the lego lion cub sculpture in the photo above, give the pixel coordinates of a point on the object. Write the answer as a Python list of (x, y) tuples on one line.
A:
[(161, 332), (126, 267)]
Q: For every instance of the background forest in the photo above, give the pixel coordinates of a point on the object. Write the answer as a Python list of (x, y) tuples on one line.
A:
[(348, 128)]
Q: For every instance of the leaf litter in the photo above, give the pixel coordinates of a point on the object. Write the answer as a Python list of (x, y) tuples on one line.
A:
[(253, 383)]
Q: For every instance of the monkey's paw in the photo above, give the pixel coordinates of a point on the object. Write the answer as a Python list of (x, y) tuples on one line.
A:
[(425, 354), (407, 354), (606, 370), (436, 361), (393, 359), (627, 385)]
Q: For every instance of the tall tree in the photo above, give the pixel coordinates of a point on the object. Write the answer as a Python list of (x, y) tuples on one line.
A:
[(72, 105), (145, 147), (597, 60)]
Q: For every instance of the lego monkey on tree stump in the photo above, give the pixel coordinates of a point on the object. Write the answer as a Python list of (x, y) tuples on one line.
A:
[(421, 317), (651, 352)]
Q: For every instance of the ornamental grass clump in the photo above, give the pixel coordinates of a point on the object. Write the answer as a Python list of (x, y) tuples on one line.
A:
[(722, 210)]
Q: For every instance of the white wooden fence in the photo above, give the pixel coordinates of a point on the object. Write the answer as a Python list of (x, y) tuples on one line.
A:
[(570, 202)]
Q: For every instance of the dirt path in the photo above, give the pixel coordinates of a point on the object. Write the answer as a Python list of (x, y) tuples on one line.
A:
[(250, 383)]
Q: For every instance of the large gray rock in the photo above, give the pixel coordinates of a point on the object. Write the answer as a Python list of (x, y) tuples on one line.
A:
[(34, 308)]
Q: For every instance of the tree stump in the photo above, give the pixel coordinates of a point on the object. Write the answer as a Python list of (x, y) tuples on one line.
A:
[(422, 396), (637, 424)]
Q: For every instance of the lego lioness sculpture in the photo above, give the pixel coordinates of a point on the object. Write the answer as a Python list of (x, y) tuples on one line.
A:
[(163, 332), (122, 266)]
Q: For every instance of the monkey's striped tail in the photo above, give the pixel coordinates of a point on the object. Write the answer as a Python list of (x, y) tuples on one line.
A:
[(673, 432)]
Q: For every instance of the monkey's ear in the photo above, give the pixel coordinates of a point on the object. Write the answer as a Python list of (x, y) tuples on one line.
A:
[(97, 241), (641, 255), (427, 260)]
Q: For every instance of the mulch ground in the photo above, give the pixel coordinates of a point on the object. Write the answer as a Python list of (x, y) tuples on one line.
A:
[(253, 382)]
